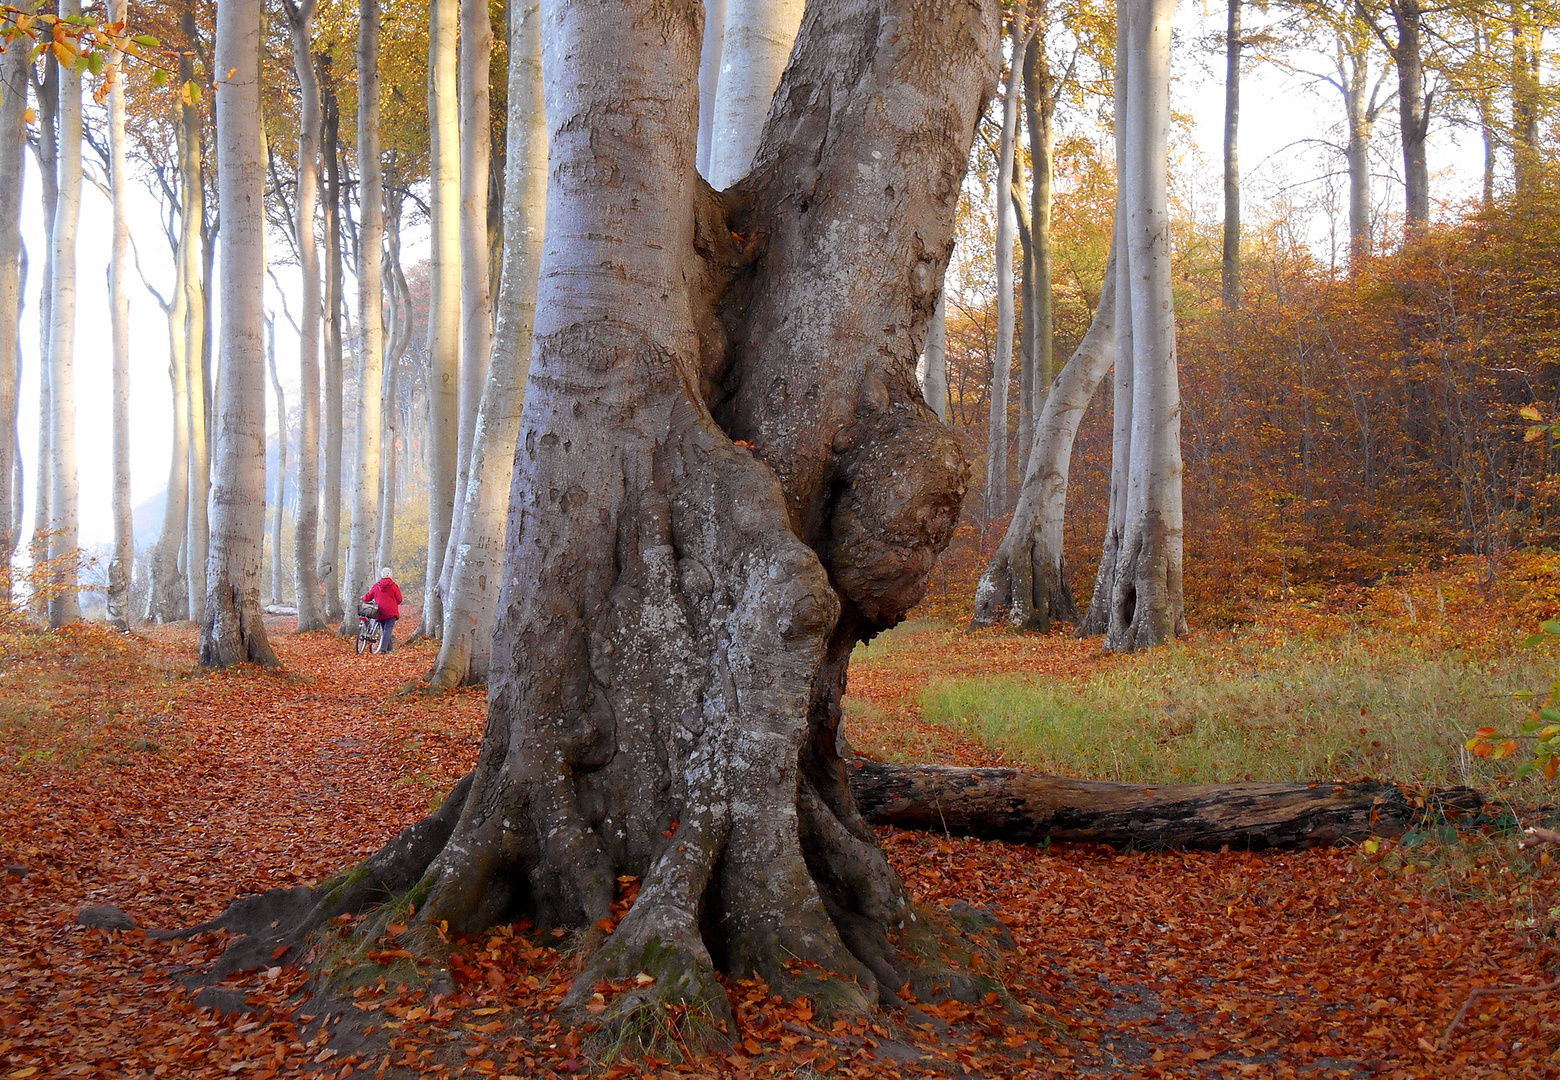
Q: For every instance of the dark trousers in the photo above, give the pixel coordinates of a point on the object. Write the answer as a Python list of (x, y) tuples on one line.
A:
[(385, 628)]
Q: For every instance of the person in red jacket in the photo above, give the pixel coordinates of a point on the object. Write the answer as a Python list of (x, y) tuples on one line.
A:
[(386, 595)]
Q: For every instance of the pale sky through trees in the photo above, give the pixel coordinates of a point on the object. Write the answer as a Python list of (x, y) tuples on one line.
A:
[(1279, 110)]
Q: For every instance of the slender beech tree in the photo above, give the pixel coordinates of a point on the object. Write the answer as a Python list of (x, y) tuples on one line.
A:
[(709, 77), (232, 630), (995, 504), (13, 150), (363, 537), (1042, 94), (400, 341), (1137, 598), (1230, 270), (121, 566), (47, 92), (330, 486), (444, 306), (725, 480), (193, 243), (279, 503), (1406, 47), (64, 600), (754, 50), (1363, 103), (476, 299), (472, 599), (167, 596), (306, 524)]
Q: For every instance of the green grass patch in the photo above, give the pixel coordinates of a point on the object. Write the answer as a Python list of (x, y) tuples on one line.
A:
[(1251, 709)]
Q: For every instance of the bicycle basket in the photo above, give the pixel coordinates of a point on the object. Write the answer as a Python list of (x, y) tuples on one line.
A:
[(367, 609)]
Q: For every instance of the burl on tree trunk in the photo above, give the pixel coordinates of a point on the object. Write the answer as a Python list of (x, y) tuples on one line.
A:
[(726, 478), (1020, 807)]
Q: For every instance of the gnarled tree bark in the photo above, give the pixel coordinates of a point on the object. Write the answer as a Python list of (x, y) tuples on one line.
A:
[(726, 478)]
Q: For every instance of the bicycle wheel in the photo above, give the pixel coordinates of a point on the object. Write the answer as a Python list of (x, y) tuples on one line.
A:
[(362, 643), (379, 644)]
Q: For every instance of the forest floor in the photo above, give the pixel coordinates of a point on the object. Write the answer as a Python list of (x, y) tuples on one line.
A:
[(129, 778)]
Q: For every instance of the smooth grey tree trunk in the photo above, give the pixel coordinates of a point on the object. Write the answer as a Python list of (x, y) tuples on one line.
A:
[(1042, 92), (122, 565), (472, 599), (64, 545), (1026, 581), (400, 341), (232, 631), (47, 91), (1362, 103), (685, 584), (754, 50), (306, 525), (1230, 269), (934, 386), (330, 487), (363, 537), (14, 70), (168, 597), (444, 357), (476, 299), (279, 503), (193, 244), (709, 77)]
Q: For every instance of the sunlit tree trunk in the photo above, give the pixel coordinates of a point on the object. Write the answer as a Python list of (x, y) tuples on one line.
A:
[(279, 504), (1231, 265), (400, 341), (65, 602), (476, 300), (709, 77), (306, 525), (1413, 118), (754, 50), (1041, 90), (196, 278), (232, 630), (122, 564), (996, 494), (1144, 602), (363, 538), (444, 302), (934, 385), (14, 70), (330, 489), (478, 559), (47, 150)]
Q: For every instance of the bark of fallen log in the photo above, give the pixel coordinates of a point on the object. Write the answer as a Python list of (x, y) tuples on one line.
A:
[(1007, 804)]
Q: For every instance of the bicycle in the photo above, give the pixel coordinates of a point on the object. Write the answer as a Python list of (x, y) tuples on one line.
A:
[(370, 635)]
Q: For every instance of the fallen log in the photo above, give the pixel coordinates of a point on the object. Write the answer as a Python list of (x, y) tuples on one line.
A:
[(1021, 807)]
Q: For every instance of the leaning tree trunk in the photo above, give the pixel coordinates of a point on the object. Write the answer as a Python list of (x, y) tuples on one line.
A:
[(330, 486), (1027, 579), (232, 631), (363, 535), (279, 504), (754, 49), (726, 479), (122, 564), (196, 279), (306, 523), (14, 69), (444, 300), (472, 600), (64, 601)]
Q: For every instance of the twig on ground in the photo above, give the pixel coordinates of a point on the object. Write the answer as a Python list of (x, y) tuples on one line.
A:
[(1534, 836), (1491, 991)]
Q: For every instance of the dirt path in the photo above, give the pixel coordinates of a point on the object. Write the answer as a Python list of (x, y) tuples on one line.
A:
[(125, 779)]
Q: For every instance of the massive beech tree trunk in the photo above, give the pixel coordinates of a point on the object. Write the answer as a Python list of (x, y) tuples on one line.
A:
[(754, 50), (726, 478), (122, 564), (472, 599), (1027, 579), (444, 300), (306, 526), (232, 631), (64, 601), (363, 537), (1137, 595), (13, 151)]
